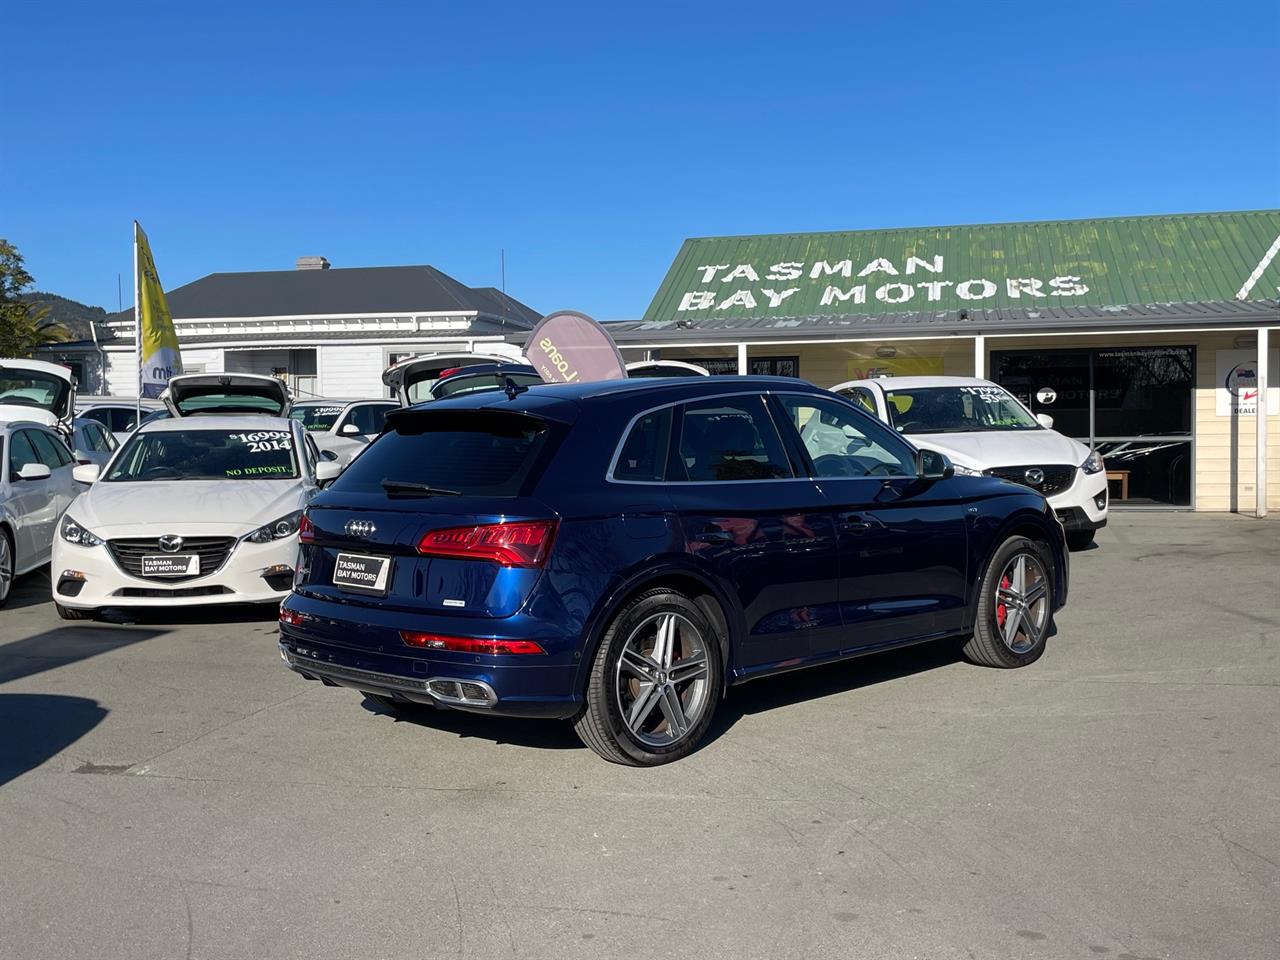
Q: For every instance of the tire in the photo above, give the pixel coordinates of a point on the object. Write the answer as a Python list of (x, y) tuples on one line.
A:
[(7, 566), (66, 613), (1079, 539), (1003, 607), (670, 706)]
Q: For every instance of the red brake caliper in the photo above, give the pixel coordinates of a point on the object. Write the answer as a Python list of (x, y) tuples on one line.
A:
[(1001, 610)]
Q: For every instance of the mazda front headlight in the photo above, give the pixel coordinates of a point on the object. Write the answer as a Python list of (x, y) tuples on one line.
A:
[(72, 532), (286, 526)]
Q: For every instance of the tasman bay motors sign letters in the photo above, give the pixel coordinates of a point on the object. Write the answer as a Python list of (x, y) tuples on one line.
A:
[(917, 280)]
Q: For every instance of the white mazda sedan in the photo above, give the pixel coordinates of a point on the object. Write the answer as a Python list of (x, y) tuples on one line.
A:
[(190, 510)]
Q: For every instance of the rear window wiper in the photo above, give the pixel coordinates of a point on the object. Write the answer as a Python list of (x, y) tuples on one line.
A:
[(418, 489)]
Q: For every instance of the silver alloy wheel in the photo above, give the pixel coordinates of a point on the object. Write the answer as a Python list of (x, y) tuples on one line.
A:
[(661, 679), (1022, 603), (6, 567)]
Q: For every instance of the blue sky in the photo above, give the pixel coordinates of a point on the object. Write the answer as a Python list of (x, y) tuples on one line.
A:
[(590, 140)]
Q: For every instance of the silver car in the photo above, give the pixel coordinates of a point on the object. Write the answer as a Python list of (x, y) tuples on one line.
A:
[(35, 488), (91, 442)]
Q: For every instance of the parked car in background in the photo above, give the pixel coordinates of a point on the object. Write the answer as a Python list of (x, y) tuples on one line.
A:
[(342, 427), (985, 430), (641, 369), (91, 442), (119, 416), (618, 553), (35, 487), (191, 510), (225, 394), (439, 375), (39, 392)]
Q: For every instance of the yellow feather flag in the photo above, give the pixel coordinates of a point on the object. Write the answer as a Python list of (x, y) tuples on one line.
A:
[(158, 354)]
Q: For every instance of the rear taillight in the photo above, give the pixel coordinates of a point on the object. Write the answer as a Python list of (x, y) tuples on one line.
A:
[(437, 641), (447, 373), (306, 530), (292, 617), (526, 543)]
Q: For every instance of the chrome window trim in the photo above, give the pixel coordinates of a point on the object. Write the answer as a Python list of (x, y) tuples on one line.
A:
[(617, 452)]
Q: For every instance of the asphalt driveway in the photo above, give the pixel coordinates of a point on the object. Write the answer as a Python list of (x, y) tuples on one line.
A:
[(168, 789)]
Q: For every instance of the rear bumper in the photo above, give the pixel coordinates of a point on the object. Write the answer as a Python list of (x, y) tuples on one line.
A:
[(369, 656)]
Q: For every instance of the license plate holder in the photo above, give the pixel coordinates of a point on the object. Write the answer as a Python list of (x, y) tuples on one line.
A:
[(171, 565), (362, 573)]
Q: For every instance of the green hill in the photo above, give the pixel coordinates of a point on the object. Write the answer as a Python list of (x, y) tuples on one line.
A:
[(72, 316)]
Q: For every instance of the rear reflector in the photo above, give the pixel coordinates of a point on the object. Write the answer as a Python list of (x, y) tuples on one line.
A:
[(523, 544), (306, 530), (436, 641)]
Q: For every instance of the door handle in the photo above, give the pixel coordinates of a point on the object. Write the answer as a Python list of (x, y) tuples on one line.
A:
[(854, 523)]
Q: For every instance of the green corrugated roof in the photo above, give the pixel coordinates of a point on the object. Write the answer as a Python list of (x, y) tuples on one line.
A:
[(1185, 258)]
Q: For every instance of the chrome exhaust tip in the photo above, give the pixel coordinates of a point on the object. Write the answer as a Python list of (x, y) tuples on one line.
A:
[(463, 693)]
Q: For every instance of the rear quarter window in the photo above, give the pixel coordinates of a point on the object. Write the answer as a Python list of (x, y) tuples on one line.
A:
[(476, 453)]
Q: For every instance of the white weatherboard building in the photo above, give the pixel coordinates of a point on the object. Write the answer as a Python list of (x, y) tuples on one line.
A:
[(327, 332)]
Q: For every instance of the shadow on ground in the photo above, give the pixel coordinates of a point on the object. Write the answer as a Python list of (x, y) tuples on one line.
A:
[(758, 696), (64, 645), (30, 589), (38, 726)]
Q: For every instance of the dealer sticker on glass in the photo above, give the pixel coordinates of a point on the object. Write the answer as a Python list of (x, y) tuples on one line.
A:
[(355, 571)]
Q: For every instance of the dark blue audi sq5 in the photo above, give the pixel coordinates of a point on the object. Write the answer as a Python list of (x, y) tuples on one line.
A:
[(621, 553)]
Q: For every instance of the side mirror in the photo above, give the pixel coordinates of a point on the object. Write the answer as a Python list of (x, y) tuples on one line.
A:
[(34, 471), (327, 471), (85, 473), (349, 430), (931, 465), (1045, 420)]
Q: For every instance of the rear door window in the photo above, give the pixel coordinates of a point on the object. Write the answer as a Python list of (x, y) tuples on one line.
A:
[(643, 456), (474, 453), (730, 438)]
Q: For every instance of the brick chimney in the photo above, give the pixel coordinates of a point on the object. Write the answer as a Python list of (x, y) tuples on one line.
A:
[(312, 263)]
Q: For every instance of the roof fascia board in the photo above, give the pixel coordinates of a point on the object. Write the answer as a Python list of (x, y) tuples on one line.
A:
[(966, 335), (402, 315)]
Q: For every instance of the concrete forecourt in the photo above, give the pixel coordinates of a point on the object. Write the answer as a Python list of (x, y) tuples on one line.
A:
[(167, 790)]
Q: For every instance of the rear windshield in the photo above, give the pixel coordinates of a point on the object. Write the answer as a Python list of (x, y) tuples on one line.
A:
[(317, 418), (473, 383), (475, 453), (206, 455), (230, 401), (34, 388)]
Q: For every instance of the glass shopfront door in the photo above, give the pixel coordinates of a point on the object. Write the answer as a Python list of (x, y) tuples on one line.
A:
[(1134, 404)]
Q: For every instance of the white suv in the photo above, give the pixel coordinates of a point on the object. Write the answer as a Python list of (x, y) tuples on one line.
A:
[(985, 430)]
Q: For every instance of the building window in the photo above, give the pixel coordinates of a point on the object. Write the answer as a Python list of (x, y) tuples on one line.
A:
[(1134, 404), (758, 366)]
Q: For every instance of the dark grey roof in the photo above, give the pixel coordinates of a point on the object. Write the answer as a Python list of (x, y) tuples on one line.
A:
[(1227, 313), (355, 290), (509, 304)]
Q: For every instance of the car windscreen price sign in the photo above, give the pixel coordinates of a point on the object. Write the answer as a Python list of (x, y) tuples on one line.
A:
[(570, 347)]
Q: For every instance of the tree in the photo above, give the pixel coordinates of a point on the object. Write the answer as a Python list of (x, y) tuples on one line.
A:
[(23, 327)]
